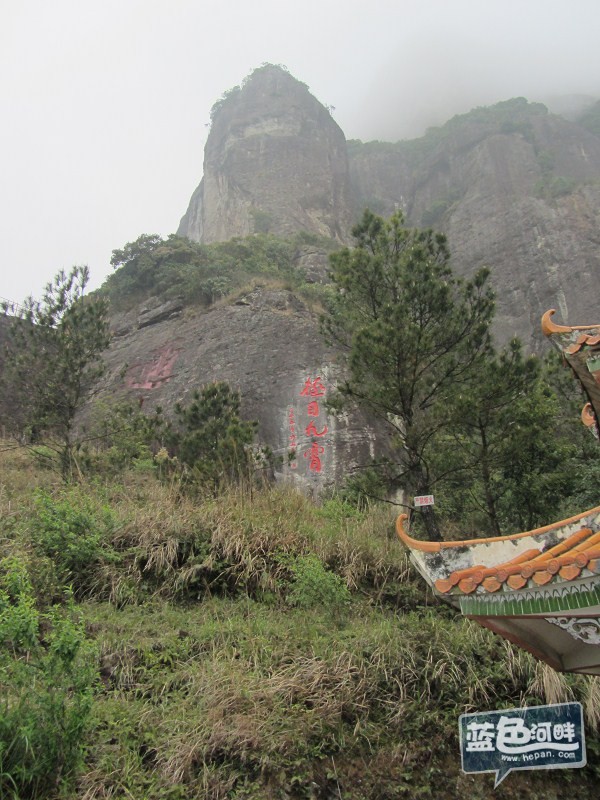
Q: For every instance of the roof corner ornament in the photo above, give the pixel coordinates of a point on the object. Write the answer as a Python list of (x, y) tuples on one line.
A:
[(587, 416), (549, 326)]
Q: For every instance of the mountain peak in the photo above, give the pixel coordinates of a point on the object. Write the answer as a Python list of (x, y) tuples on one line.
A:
[(275, 161)]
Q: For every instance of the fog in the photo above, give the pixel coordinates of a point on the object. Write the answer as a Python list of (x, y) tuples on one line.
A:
[(105, 105)]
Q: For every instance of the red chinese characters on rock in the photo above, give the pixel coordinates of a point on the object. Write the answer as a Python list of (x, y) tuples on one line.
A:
[(293, 441), (314, 454), (311, 430), (314, 388)]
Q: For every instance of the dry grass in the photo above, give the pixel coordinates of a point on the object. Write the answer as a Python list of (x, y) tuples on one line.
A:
[(591, 702), (364, 553), (244, 541), (259, 692), (240, 715), (550, 685), (212, 686), (19, 476)]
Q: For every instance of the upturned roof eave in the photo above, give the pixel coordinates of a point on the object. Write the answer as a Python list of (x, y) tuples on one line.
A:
[(438, 547)]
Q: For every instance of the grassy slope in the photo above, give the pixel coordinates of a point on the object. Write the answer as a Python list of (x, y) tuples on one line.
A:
[(232, 664)]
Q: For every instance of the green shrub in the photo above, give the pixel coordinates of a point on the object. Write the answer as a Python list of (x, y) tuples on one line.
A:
[(47, 674), (316, 587), (120, 436), (196, 273), (368, 485), (211, 441), (74, 535)]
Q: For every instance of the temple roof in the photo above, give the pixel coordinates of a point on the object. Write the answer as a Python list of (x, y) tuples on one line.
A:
[(563, 561), (553, 554), (539, 589)]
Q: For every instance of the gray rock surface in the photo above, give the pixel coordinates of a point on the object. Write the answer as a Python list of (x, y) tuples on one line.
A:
[(517, 190), (524, 202), (275, 161), (267, 345)]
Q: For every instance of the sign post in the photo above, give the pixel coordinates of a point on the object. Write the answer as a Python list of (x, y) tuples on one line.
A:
[(540, 737)]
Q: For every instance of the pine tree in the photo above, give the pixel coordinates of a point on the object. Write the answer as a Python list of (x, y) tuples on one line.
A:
[(53, 364), (412, 334), (210, 439), (506, 451)]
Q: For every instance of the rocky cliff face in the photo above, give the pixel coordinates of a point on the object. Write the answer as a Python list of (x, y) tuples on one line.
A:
[(514, 188), (275, 161), (267, 345), (518, 192)]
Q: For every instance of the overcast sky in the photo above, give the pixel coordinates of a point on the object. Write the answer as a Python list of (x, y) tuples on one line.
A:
[(105, 102)]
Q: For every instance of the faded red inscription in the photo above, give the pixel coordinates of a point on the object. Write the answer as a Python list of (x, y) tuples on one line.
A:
[(154, 372), (312, 409), (315, 452), (311, 430)]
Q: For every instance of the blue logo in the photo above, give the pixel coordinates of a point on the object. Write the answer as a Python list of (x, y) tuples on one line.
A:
[(540, 737)]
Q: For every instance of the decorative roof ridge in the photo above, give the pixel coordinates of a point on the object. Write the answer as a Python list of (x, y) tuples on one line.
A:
[(549, 327), (436, 547)]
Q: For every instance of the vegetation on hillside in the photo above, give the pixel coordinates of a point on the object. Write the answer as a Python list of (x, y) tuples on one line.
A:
[(515, 116), (509, 116), (418, 355), (230, 96), (413, 335), (52, 366), (249, 645), (201, 274)]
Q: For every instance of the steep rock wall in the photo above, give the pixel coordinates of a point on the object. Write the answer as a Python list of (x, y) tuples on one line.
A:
[(275, 161), (514, 188), (267, 345), (522, 198)]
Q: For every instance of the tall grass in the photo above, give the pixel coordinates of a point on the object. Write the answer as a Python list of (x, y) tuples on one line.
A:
[(252, 645)]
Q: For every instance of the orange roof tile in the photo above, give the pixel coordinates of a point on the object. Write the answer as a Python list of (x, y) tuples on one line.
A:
[(584, 339), (566, 560), (587, 415), (579, 346)]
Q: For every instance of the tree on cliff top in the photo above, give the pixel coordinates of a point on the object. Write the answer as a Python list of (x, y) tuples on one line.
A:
[(53, 363), (412, 334)]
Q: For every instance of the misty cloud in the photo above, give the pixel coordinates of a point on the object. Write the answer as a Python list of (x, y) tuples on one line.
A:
[(105, 105)]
